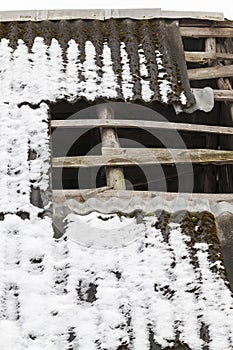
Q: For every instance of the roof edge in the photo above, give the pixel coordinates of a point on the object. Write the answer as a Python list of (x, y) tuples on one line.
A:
[(102, 14)]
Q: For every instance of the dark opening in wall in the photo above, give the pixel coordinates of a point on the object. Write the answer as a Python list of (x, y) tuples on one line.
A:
[(86, 141)]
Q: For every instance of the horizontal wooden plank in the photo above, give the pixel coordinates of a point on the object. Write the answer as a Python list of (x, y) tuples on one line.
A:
[(210, 72), (223, 95), (134, 156), (206, 32), (80, 195), (202, 56), (143, 124), (188, 22)]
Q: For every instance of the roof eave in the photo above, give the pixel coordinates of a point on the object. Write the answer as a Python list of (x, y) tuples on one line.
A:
[(102, 14)]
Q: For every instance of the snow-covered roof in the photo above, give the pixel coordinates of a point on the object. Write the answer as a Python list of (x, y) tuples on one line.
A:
[(164, 286), (163, 283), (116, 280), (114, 59)]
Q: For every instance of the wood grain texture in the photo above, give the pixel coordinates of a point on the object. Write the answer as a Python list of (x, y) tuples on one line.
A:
[(133, 156), (223, 95), (114, 176), (210, 72), (203, 56), (205, 32), (145, 124)]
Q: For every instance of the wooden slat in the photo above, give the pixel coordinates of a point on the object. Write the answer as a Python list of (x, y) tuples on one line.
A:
[(189, 22), (206, 32), (134, 156), (202, 57), (210, 173), (145, 124), (223, 95), (210, 72), (61, 195)]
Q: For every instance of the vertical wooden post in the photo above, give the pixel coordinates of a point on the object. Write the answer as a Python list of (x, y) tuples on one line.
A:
[(223, 84), (226, 173), (210, 178), (114, 175), (210, 46)]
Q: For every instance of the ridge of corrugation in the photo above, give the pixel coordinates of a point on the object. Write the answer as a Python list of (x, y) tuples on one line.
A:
[(127, 206)]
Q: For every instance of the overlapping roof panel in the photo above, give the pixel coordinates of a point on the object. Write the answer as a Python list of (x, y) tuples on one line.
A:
[(114, 59)]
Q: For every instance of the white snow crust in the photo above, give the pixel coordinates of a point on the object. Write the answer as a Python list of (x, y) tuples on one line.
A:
[(145, 286), (23, 130), (44, 75)]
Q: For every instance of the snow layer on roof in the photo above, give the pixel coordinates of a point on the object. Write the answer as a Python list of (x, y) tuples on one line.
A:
[(48, 73), (25, 155), (147, 93), (160, 288)]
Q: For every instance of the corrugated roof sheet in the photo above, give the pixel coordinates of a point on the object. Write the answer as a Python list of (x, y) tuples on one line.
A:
[(166, 287), (114, 59)]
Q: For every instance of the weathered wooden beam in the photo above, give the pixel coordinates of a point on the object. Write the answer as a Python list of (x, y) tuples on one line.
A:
[(223, 95), (223, 83), (202, 57), (114, 176), (134, 156), (145, 124), (210, 46), (210, 72), (206, 32), (210, 173), (60, 195)]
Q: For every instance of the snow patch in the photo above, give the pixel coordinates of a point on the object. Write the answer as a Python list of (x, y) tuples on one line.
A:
[(108, 85), (147, 93), (165, 86), (127, 79)]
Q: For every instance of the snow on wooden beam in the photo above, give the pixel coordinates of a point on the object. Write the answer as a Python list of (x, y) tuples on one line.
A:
[(134, 156), (145, 124)]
